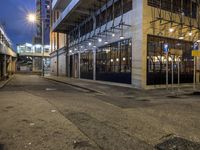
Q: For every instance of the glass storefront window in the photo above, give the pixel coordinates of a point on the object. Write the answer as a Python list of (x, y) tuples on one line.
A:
[(86, 65), (156, 60), (113, 62)]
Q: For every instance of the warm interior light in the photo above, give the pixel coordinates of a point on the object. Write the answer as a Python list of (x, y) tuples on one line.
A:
[(31, 18), (190, 33), (171, 30), (181, 37), (198, 41)]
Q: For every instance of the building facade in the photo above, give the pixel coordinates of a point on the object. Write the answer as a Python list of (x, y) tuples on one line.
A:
[(124, 41), (43, 12), (31, 57), (7, 56)]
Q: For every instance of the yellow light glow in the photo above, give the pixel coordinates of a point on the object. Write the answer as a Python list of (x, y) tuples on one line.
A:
[(31, 17)]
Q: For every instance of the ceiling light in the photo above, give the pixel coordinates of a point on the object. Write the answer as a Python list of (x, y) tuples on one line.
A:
[(113, 34), (89, 43), (106, 42), (100, 39), (121, 37)]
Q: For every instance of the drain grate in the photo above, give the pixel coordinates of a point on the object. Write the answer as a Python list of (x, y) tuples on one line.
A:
[(196, 93), (177, 143), (1, 146)]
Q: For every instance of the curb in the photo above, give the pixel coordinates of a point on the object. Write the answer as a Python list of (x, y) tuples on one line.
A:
[(77, 86), (3, 83)]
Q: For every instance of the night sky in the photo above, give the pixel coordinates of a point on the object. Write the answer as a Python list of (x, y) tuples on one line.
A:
[(13, 18)]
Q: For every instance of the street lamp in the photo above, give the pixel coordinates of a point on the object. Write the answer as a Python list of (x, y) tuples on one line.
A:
[(32, 18)]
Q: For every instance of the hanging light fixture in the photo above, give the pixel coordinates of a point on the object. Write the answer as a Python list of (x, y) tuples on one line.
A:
[(99, 40), (89, 43), (190, 33), (121, 37), (181, 37), (171, 30)]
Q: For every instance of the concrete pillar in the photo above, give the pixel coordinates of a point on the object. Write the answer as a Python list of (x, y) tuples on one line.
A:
[(57, 57), (5, 66), (94, 64), (138, 46), (79, 65), (33, 64), (68, 65)]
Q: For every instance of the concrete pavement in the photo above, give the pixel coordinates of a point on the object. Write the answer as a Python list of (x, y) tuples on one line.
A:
[(43, 114), (122, 90)]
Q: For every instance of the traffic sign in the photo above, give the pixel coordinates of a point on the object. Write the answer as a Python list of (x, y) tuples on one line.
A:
[(196, 46), (166, 47)]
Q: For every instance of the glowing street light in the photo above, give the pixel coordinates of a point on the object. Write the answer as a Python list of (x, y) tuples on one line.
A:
[(31, 17)]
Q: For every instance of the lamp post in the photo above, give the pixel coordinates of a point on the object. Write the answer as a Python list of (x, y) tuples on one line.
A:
[(32, 18)]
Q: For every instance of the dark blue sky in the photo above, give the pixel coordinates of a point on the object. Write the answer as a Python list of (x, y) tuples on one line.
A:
[(13, 17)]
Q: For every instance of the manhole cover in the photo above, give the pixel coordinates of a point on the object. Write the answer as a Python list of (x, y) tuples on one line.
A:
[(1, 146), (143, 100), (177, 143), (50, 89)]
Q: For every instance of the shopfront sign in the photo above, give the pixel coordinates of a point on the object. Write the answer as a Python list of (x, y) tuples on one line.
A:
[(196, 53), (176, 52)]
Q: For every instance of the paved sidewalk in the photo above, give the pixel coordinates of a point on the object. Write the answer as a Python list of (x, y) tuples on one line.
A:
[(114, 89), (4, 82)]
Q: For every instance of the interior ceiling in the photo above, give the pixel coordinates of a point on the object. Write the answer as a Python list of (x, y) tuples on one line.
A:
[(78, 14)]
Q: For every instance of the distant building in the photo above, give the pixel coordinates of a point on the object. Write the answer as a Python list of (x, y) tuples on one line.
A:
[(43, 12), (7, 56), (30, 57)]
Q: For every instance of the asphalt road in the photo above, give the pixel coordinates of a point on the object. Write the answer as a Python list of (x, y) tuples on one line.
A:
[(39, 114)]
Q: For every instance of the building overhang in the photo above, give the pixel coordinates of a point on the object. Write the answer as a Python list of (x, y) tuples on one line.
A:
[(4, 50), (74, 13), (60, 4)]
